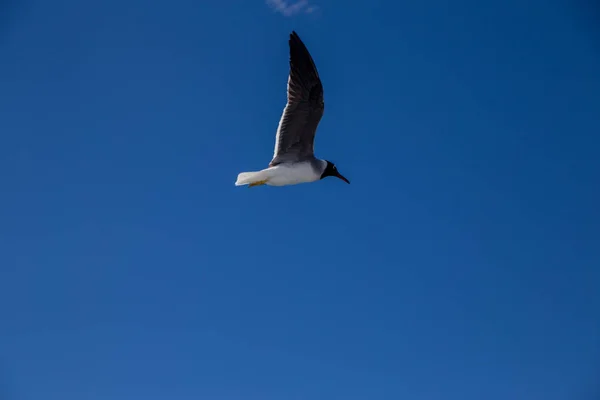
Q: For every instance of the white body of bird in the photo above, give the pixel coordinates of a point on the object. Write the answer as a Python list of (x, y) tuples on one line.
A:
[(282, 175)]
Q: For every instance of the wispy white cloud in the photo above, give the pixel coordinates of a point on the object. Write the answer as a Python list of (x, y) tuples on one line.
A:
[(292, 7)]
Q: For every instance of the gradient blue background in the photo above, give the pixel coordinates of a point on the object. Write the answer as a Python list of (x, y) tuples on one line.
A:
[(461, 263)]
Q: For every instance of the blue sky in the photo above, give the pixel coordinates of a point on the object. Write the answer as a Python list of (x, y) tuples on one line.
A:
[(461, 263)]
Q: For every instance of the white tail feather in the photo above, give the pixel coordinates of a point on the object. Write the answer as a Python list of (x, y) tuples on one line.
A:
[(246, 178)]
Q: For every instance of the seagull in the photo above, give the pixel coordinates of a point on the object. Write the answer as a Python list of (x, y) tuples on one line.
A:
[(293, 160)]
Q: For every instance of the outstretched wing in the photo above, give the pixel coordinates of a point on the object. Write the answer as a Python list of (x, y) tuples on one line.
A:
[(304, 109)]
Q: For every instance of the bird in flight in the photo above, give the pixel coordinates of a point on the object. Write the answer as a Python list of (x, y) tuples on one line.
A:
[(294, 160)]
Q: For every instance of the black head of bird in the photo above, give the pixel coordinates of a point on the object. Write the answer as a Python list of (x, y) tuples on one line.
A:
[(331, 170)]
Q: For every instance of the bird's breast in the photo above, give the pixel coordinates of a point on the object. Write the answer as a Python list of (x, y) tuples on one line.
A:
[(292, 174)]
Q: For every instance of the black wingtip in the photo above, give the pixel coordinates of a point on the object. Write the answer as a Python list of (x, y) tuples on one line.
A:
[(294, 37), (297, 43), (300, 59)]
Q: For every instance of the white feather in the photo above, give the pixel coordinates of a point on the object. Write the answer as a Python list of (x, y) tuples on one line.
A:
[(282, 175), (246, 178)]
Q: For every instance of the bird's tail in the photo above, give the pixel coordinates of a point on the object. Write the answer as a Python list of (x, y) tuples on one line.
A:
[(252, 178)]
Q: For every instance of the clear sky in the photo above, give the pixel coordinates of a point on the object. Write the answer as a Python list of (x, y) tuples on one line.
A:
[(463, 262)]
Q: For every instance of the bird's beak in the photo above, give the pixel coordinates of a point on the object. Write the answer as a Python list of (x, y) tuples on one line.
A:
[(342, 177)]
